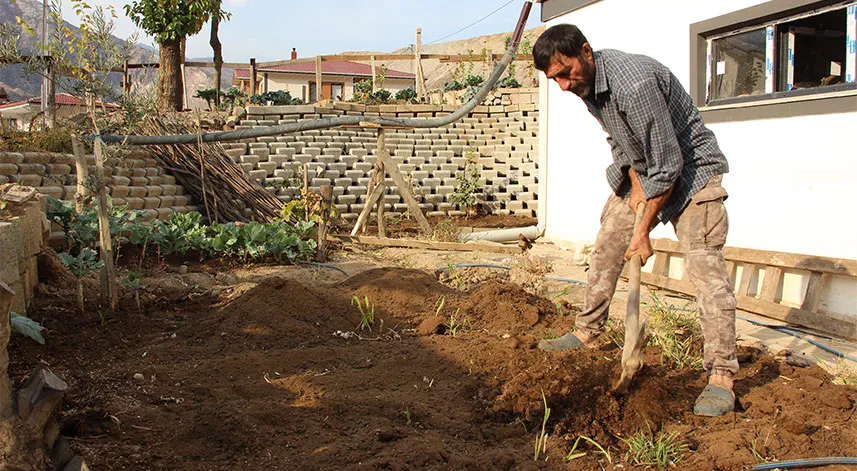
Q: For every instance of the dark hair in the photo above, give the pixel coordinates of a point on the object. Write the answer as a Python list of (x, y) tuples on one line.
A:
[(563, 38)]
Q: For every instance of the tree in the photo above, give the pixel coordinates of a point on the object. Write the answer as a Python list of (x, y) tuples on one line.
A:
[(170, 22), (217, 49)]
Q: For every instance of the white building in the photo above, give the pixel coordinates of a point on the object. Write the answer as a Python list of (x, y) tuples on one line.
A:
[(774, 80), (337, 82)]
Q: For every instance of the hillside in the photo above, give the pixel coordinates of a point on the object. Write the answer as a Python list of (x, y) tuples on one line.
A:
[(20, 85)]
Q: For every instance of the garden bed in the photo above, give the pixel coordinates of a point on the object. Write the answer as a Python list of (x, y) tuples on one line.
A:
[(265, 368)]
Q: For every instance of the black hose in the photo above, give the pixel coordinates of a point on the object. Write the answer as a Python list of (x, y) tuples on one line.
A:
[(806, 463), (342, 120)]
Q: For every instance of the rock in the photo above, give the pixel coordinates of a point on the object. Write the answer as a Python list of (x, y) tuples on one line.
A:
[(182, 269), (139, 377), (799, 361)]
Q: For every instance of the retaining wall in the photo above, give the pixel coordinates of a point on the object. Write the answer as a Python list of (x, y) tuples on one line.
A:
[(134, 178), (503, 137), (21, 240)]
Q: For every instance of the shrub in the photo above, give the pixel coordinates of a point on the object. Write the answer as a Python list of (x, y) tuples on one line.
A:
[(408, 95)]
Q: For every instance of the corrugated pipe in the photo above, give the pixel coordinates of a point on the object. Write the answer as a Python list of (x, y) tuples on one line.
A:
[(342, 120), (807, 463)]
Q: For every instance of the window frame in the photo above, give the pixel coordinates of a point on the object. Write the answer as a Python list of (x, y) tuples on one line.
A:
[(766, 15)]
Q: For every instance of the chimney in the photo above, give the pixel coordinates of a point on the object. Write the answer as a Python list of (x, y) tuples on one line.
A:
[(294, 53)]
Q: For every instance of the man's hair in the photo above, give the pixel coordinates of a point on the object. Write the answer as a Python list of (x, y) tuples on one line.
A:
[(563, 38)]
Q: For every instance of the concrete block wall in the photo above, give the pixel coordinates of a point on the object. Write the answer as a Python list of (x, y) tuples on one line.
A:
[(21, 240), (134, 178), (503, 138)]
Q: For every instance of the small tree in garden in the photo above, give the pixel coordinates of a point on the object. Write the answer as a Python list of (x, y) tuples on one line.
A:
[(467, 185), (80, 266)]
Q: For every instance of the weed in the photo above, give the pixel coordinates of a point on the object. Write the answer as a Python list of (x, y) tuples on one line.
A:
[(445, 231), (558, 304), (367, 312), (841, 372), (438, 305), (409, 416), (549, 334), (665, 449), (677, 333), (454, 274), (467, 185), (542, 441), (600, 449), (616, 332), (134, 282), (456, 323)]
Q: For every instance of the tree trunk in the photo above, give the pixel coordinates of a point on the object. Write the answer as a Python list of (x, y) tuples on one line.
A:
[(169, 77), (218, 57)]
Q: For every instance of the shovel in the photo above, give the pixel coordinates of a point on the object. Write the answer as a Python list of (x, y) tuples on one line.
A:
[(635, 331)]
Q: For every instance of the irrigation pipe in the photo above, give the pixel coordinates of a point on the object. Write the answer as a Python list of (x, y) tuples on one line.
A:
[(807, 463), (342, 120), (793, 333), (325, 265)]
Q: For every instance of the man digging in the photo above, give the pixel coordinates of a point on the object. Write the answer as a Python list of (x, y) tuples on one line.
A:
[(663, 155)]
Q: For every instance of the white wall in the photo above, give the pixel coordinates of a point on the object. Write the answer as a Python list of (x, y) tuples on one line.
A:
[(791, 179)]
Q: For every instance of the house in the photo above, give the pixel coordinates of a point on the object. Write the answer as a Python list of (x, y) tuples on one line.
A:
[(337, 82), (775, 81), (20, 114)]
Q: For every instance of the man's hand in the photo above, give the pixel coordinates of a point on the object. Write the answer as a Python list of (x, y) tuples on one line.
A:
[(640, 245), (637, 194)]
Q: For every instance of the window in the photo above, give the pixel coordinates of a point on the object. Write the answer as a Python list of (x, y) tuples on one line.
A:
[(312, 92), (811, 50)]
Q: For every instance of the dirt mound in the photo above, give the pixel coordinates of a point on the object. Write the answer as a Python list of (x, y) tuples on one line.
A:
[(252, 377), (504, 308)]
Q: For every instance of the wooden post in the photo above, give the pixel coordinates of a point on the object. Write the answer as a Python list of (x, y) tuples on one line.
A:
[(50, 95), (326, 192), (184, 87), (252, 76), (418, 66), (82, 174), (381, 175), (318, 78), (374, 89), (108, 273), (126, 84)]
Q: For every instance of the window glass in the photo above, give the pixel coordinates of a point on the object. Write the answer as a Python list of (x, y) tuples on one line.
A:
[(738, 65), (812, 51)]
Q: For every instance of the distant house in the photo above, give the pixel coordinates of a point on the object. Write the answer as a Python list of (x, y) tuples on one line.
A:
[(337, 79), (19, 114)]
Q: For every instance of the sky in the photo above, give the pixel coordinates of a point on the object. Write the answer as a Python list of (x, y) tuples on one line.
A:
[(269, 29)]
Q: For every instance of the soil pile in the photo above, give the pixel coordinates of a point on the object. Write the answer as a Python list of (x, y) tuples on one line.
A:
[(275, 375)]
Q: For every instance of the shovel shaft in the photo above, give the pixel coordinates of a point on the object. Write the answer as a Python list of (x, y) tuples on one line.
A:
[(632, 351)]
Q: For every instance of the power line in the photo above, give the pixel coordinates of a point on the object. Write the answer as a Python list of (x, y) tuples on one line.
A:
[(474, 23)]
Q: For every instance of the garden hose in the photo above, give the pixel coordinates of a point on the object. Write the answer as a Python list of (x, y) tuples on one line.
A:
[(806, 463), (325, 123)]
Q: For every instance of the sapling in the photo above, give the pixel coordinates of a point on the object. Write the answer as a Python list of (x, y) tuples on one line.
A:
[(134, 282), (80, 266), (367, 312)]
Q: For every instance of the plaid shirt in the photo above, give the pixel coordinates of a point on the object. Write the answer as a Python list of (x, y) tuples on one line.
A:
[(653, 127)]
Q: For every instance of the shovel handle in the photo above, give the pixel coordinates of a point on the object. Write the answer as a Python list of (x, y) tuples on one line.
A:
[(636, 261)]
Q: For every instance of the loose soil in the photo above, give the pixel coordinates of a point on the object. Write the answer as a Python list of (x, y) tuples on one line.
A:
[(268, 370)]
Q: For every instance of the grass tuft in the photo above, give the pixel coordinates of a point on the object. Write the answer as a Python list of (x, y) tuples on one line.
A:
[(661, 450)]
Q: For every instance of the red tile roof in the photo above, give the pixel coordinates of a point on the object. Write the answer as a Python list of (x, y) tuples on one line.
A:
[(62, 99), (327, 67)]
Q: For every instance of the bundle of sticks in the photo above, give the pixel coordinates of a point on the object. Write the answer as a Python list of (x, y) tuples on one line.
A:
[(211, 176)]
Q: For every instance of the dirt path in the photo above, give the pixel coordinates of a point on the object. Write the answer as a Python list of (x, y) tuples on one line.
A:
[(264, 368)]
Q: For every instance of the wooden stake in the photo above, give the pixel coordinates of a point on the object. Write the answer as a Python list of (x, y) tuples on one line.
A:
[(252, 76), (381, 175), (405, 191), (418, 66), (374, 86), (318, 78), (326, 192), (82, 174), (108, 278)]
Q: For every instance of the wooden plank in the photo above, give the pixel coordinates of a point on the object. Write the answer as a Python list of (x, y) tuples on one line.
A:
[(842, 326), (405, 191), (770, 284), (814, 290), (835, 266), (364, 214), (747, 272), (430, 245), (659, 267)]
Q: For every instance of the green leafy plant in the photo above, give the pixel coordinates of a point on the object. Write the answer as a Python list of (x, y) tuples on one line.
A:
[(408, 95), (367, 312), (134, 282), (456, 324), (662, 450), (209, 95), (382, 96), (26, 327), (276, 98), (80, 266), (508, 82), (363, 91), (467, 186), (234, 96), (542, 441), (558, 304), (453, 273)]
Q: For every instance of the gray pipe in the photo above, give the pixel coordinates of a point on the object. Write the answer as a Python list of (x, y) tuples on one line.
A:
[(342, 120), (504, 235)]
